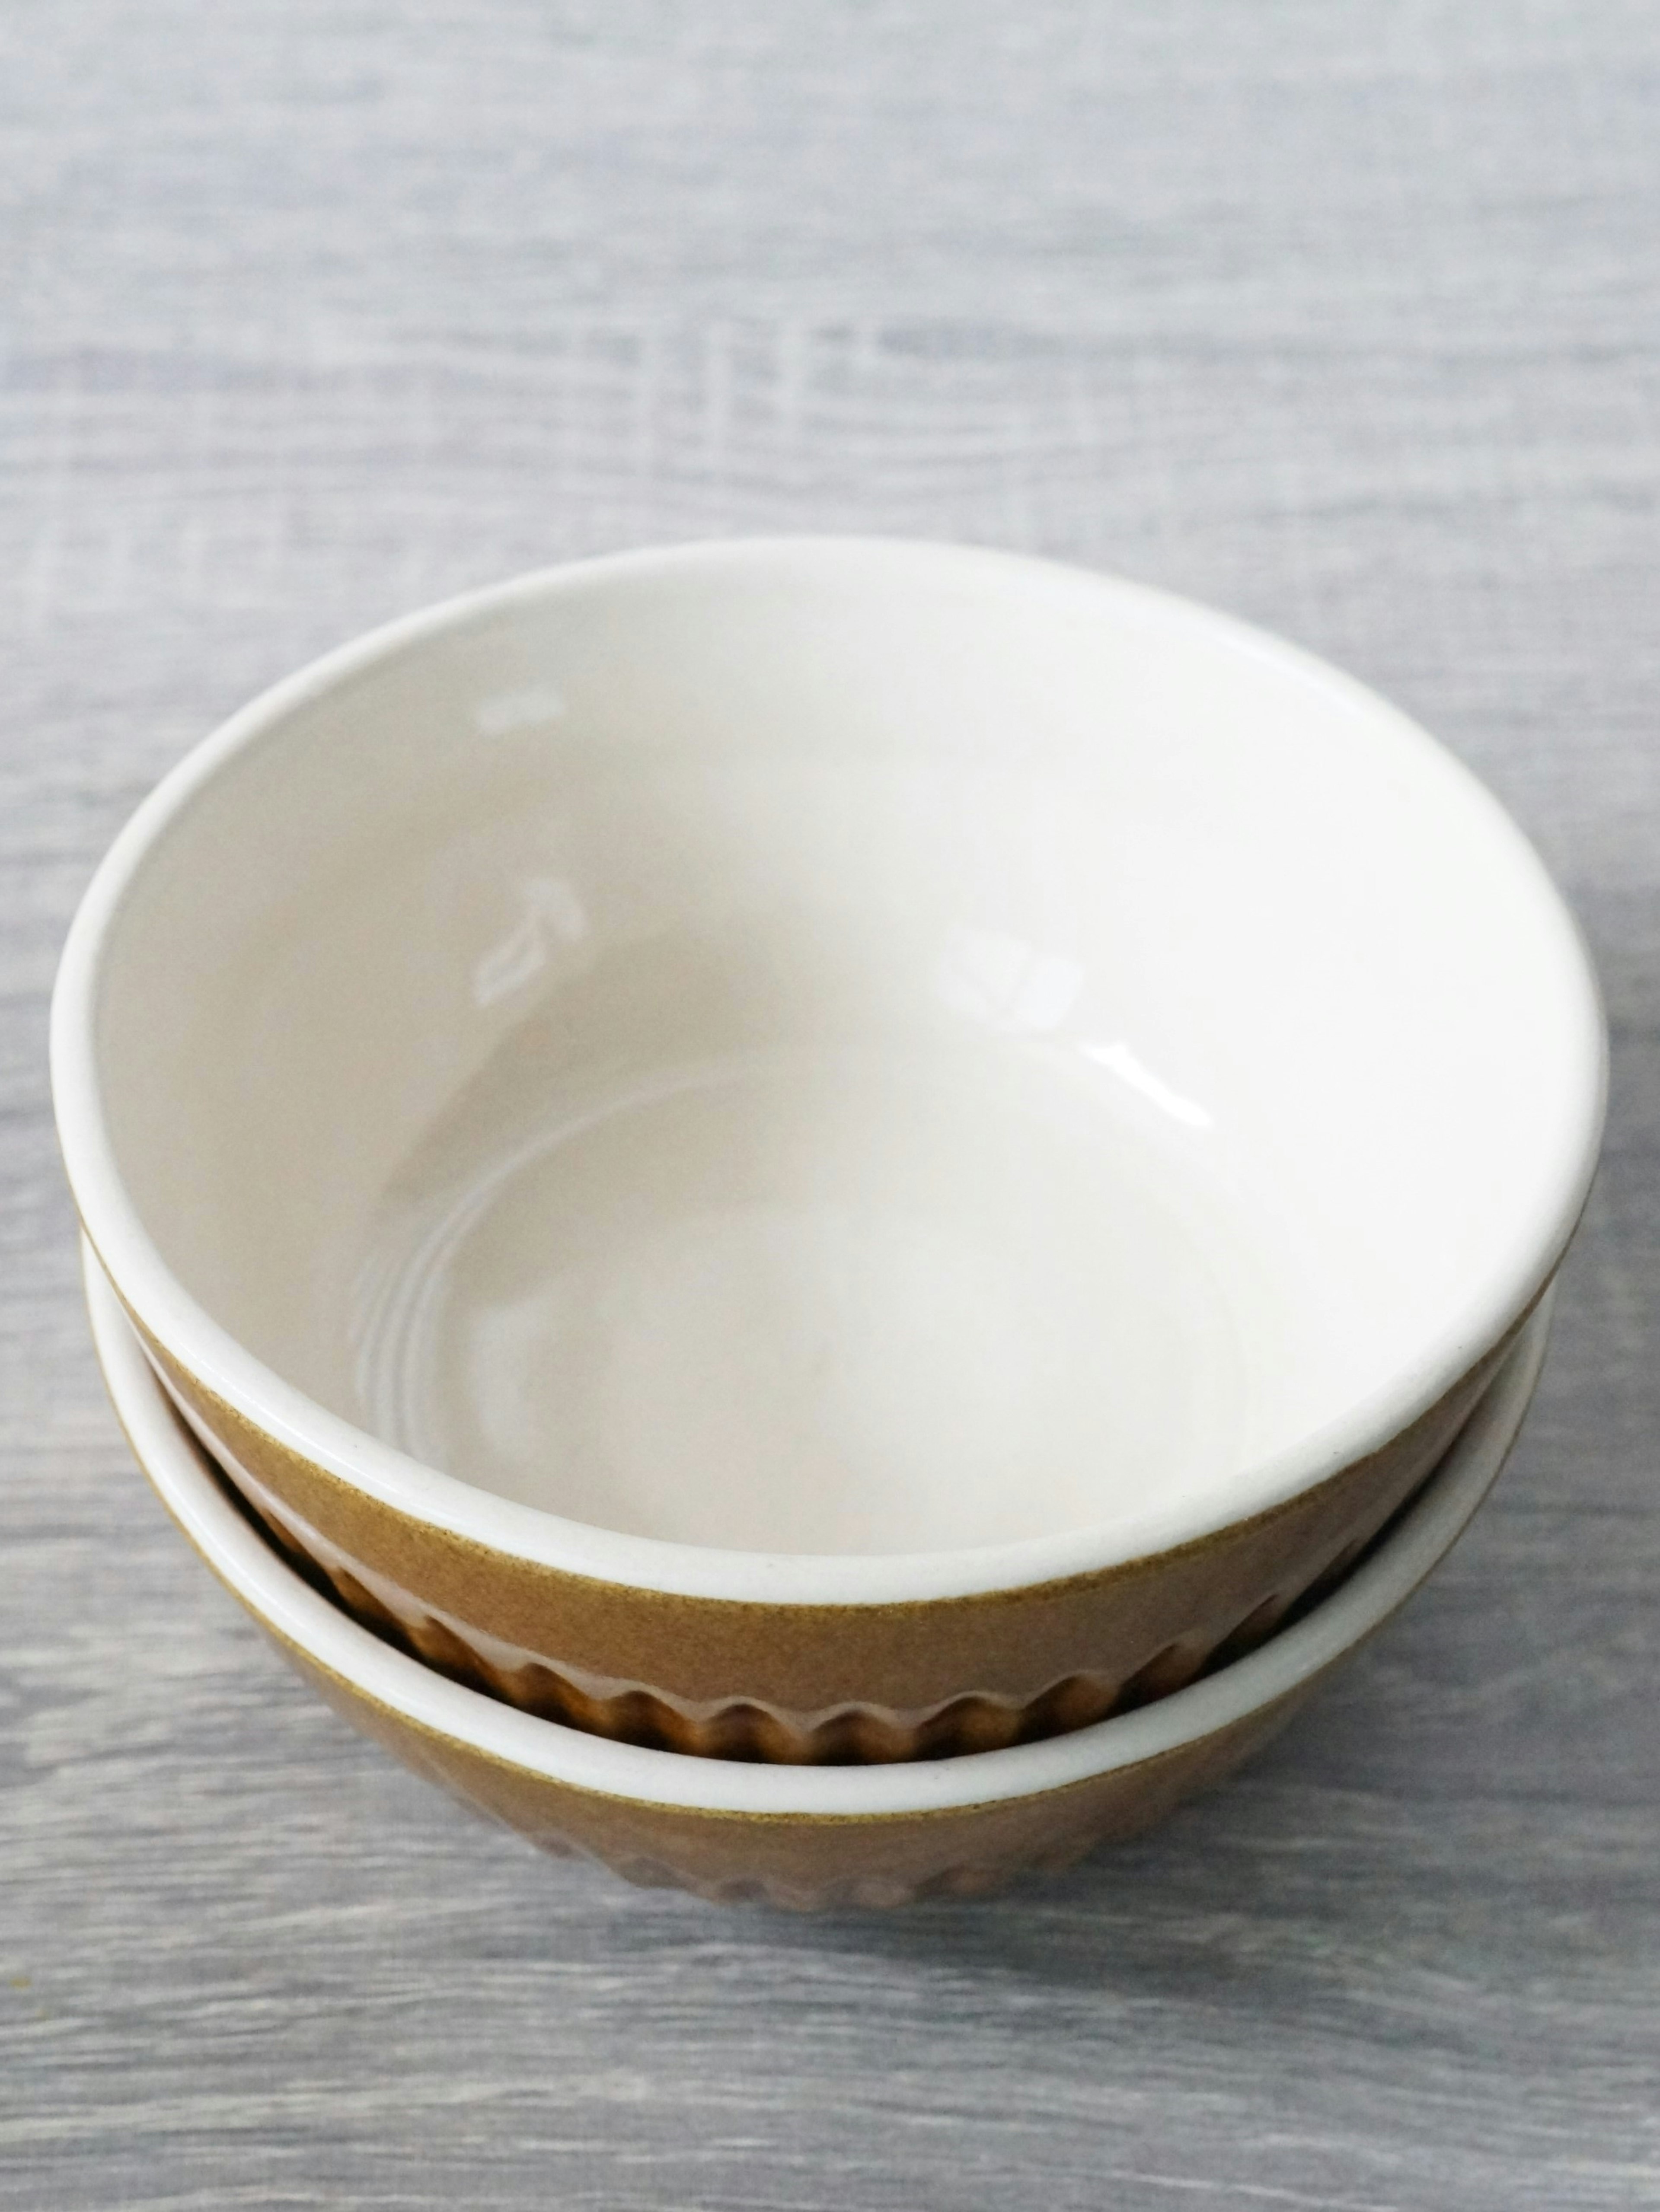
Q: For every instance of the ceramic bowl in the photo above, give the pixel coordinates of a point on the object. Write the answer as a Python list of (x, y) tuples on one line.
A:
[(825, 1150), (804, 1836)]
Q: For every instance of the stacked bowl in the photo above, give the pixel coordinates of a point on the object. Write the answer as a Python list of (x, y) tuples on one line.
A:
[(823, 1214)]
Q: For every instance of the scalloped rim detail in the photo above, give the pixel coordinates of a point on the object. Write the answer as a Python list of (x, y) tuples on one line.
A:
[(746, 1729)]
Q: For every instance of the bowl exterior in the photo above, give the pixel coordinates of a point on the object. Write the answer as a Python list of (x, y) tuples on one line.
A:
[(818, 1683), (804, 1862)]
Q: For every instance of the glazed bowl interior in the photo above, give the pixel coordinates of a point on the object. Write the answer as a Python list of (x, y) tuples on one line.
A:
[(829, 1048)]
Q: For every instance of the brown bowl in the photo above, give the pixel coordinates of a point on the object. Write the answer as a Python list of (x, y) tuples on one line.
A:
[(822, 1149)]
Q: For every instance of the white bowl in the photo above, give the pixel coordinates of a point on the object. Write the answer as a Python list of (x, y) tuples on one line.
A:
[(804, 1836), (810, 1077)]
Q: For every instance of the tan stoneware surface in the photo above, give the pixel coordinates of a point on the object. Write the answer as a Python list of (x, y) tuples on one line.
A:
[(809, 1683), (804, 1864), (852, 1837)]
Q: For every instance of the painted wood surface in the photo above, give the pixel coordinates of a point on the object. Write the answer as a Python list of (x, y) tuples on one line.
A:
[(1343, 318)]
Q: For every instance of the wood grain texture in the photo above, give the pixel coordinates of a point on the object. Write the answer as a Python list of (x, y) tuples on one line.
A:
[(1344, 318)]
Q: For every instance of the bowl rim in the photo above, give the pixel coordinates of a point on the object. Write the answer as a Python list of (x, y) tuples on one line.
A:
[(288, 1607), (231, 1372)]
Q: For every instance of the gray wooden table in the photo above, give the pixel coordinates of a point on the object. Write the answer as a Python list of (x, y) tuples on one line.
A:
[(1344, 317)]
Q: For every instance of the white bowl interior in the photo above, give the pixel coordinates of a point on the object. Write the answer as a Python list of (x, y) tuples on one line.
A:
[(836, 1049), (277, 1595)]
